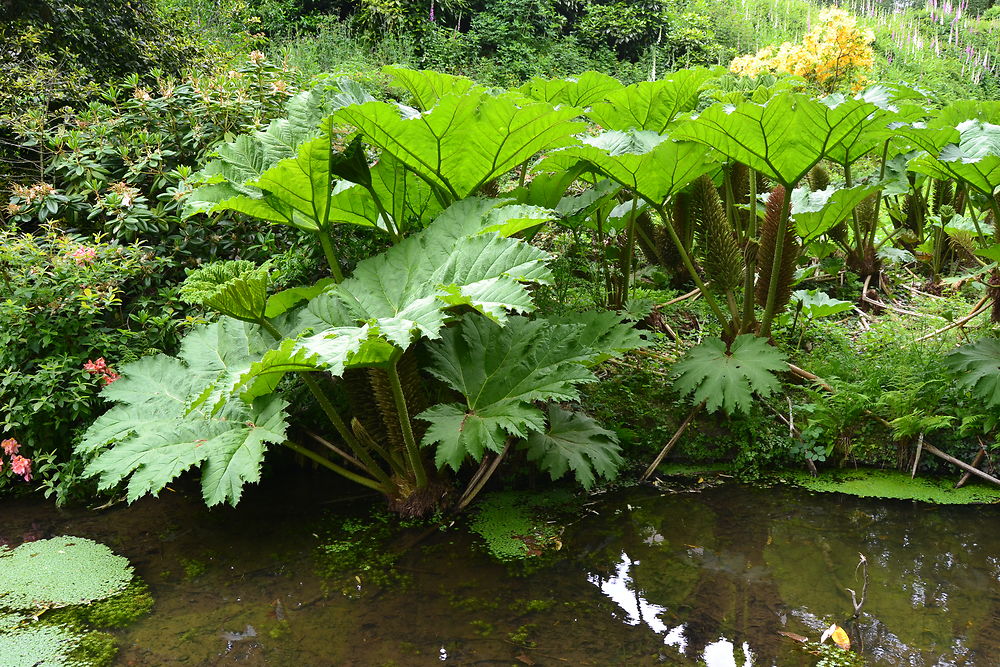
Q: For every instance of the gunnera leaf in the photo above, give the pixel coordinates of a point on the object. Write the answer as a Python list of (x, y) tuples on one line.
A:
[(574, 441), (977, 367), (59, 572), (728, 380), (235, 288)]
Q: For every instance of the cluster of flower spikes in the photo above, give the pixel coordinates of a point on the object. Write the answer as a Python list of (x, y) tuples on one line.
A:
[(101, 369), (19, 465), (833, 52)]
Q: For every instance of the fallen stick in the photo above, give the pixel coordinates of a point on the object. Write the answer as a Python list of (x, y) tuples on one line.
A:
[(806, 375), (980, 455), (916, 459), (690, 294), (916, 291), (961, 464), (673, 441), (895, 309), (977, 310)]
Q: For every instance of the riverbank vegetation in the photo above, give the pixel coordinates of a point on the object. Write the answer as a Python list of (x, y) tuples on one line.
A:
[(432, 247)]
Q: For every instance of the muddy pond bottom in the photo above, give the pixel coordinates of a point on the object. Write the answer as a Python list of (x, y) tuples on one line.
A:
[(643, 578)]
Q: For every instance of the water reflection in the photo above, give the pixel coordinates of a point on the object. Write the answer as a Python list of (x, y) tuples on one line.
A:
[(718, 576), (638, 611)]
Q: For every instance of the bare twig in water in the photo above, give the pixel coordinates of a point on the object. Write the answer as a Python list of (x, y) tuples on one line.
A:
[(863, 566)]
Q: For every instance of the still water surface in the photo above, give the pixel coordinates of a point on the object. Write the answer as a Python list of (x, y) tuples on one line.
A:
[(643, 578)]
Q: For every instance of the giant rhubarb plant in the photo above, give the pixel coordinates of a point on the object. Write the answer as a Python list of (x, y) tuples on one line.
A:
[(218, 404)]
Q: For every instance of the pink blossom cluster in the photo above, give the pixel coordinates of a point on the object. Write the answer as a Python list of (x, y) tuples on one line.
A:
[(83, 255), (20, 465), (101, 369)]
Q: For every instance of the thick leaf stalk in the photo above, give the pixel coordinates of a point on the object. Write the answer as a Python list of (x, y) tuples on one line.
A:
[(722, 258), (777, 255), (862, 259), (388, 420), (406, 425)]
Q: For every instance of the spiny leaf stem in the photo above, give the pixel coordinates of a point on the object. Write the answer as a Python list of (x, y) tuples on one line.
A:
[(420, 475), (779, 247), (328, 252), (749, 256), (344, 472), (689, 265), (626, 269), (373, 468)]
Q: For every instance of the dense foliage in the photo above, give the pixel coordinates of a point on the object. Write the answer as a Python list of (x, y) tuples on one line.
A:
[(500, 212)]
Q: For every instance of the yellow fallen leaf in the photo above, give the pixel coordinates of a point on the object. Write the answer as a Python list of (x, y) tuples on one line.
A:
[(838, 635)]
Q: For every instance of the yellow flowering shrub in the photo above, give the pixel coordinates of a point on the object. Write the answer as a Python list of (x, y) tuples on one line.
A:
[(834, 52)]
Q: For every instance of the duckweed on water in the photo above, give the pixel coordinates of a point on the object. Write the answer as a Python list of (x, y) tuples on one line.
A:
[(868, 483), (38, 645), (513, 523), (59, 572), (84, 584), (355, 555)]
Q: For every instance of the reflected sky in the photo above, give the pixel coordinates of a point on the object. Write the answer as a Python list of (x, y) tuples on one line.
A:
[(639, 611)]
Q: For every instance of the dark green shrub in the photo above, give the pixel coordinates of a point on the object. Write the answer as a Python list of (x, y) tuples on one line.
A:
[(65, 305)]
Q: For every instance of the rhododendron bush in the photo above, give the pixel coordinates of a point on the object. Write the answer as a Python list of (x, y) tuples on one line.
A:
[(833, 53), (63, 329)]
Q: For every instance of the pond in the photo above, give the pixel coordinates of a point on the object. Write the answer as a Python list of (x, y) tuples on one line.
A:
[(643, 577)]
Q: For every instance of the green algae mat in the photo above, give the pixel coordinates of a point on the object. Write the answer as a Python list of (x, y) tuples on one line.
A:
[(869, 483)]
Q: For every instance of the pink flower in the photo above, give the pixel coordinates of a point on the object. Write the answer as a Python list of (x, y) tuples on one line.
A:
[(21, 466), (83, 255), (10, 446), (100, 368), (94, 367)]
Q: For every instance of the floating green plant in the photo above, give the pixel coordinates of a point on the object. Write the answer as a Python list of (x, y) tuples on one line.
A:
[(869, 483), (59, 572), (39, 645), (55, 592), (513, 523)]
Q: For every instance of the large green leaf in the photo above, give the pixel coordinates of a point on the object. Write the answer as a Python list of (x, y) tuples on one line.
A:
[(427, 87), (466, 140), (816, 304), (650, 105), (890, 112), (235, 288), (728, 380), (405, 293), (977, 368), (973, 159), (782, 138), (502, 371), (250, 155), (574, 441), (164, 424), (581, 91), (406, 198), (650, 165), (817, 212)]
